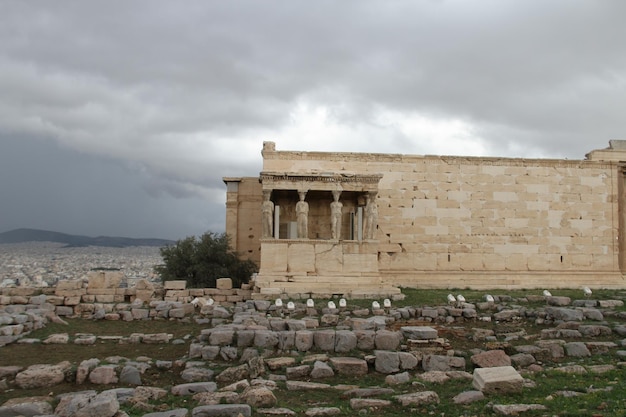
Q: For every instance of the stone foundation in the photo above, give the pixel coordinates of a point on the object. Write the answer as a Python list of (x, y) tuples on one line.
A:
[(102, 293)]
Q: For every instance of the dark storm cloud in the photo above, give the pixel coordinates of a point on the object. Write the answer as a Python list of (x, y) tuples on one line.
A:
[(173, 96), (47, 187)]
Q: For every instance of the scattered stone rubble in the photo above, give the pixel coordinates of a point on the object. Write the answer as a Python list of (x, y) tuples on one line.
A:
[(100, 296), (248, 346)]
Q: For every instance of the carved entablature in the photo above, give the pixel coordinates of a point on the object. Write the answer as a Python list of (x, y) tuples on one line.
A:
[(320, 181)]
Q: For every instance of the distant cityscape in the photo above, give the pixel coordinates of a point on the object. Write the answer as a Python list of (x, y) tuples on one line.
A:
[(44, 263)]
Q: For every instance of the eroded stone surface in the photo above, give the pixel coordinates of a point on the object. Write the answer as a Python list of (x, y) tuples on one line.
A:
[(502, 380)]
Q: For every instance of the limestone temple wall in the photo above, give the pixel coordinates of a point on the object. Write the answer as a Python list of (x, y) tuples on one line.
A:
[(243, 216), (442, 221)]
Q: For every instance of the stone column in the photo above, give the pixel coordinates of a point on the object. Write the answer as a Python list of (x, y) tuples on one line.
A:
[(277, 222), (302, 216), (232, 211), (335, 216), (371, 216), (267, 209)]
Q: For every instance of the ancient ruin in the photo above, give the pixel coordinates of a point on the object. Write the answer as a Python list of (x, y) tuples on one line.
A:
[(247, 357), (360, 224)]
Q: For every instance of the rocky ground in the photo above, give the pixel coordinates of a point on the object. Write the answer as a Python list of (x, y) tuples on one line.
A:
[(466, 358)]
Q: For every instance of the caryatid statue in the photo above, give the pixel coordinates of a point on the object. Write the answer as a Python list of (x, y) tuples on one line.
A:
[(371, 216), (302, 216), (267, 208), (335, 215)]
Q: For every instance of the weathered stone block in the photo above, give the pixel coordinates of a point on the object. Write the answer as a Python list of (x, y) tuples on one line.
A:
[(366, 339), (224, 284), (193, 388), (408, 361), (417, 398), (500, 380), (101, 291), (222, 337), (140, 313), (419, 332), (296, 325), (349, 366), (265, 339), (565, 314), (68, 285), (31, 408), (304, 340), (558, 301), (321, 370), (210, 352), (491, 358), (298, 372), (156, 338), (64, 311), (275, 364), (387, 362), (19, 299), (175, 294), (243, 410), (175, 285), (21, 291), (11, 330), (286, 340), (194, 374), (88, 298), (39, 376), (325, 340), (305, 386), (144, 295), (387, 340), (345, 341), (245, 338), (105, 298), (443, 363), (72, 301), (430, 312), (104, 279), (576, 349)]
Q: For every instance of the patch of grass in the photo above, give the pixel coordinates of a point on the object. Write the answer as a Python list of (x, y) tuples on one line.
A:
[(436, 297), (118, 328), (598, 393), (430, 297), (30, 354)]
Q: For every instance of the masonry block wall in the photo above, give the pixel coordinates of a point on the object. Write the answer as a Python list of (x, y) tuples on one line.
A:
[(485, 222), (243, 216)]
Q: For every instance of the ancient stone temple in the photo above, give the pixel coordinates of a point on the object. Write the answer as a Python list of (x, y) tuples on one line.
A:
[(360, 224)]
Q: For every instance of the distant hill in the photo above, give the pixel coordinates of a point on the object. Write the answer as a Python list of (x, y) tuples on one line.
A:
[(35, 235)]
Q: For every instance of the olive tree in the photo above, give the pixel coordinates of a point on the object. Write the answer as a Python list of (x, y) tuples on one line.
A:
[(201, 261)]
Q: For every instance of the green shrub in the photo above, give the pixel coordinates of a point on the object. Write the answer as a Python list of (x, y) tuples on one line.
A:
[(201, 261)]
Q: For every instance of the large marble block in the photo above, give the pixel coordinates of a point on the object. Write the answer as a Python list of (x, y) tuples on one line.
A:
[(499, 379)]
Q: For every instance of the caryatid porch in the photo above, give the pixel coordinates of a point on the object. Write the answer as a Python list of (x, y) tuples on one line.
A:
[(319, 236)]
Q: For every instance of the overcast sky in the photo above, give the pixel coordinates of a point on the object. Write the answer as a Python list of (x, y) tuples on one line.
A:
[(120, 118)]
